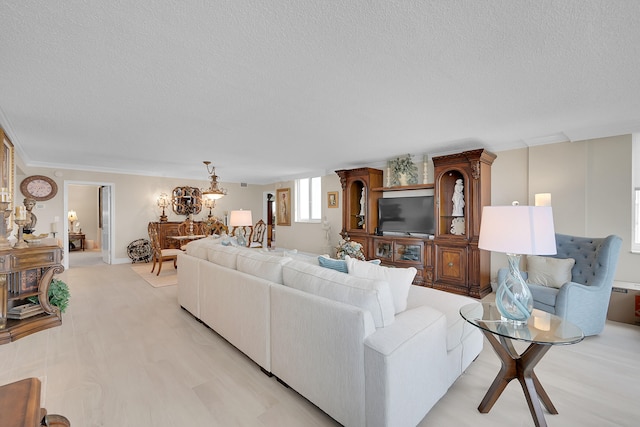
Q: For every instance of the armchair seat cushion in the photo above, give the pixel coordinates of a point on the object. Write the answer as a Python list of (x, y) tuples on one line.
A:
[(544, 294)]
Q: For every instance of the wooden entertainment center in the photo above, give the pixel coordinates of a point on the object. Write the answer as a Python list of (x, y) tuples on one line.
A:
[(450, 259)]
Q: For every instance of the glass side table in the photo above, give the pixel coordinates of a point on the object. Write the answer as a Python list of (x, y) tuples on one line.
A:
[(543, 330)]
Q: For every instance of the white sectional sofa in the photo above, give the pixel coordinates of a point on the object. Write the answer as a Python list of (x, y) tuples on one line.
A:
[(338, 339)]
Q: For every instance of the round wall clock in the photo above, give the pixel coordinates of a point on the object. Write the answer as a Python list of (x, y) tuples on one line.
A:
[(39, 187)]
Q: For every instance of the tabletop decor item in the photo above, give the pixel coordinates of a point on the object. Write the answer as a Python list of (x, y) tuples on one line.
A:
[(348, 247), (516, 230), (403, 171)]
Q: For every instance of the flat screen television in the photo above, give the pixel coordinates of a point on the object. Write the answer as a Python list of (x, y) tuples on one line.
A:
[(406, 215)]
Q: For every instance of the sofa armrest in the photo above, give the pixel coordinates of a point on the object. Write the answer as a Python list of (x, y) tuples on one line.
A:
[(400, 362)]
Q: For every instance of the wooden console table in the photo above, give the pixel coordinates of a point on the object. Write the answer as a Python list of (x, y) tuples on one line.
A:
[(80, 237), (20, 406), (24, 273)]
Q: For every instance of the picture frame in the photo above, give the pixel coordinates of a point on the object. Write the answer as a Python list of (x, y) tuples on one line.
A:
[(332, 199), (283, 206), (7, 169)]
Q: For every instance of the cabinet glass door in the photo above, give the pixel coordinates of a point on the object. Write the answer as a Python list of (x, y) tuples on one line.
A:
[(408, 252), (384, 250)]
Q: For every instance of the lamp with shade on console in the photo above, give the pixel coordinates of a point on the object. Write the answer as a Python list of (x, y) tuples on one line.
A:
[(516, 230), (163, 202), (73, 217), (209, 204), (240, 219)]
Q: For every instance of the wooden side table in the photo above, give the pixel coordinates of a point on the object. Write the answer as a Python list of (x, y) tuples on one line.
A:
[(20, 406), (76, 237), (542, 331)]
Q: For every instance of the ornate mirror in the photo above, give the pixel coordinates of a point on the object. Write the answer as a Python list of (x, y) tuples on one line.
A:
[(186, 200)]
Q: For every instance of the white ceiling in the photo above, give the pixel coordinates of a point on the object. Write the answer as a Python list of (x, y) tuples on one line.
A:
[(270, 90)]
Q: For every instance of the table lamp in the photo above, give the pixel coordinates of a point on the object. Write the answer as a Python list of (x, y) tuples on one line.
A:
[(163, 202), (73, 217), (240, 219), (516, 230)]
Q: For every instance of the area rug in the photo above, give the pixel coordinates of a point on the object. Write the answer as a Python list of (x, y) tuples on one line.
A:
[(168, 276)]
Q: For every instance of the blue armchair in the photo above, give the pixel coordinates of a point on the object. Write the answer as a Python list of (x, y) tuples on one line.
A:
[(583, 301)]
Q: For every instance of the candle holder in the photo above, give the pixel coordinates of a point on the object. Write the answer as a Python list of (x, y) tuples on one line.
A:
[(4, 208), (20, 244)]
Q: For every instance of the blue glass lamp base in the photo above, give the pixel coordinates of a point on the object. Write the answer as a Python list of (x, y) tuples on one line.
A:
[(513, 297)]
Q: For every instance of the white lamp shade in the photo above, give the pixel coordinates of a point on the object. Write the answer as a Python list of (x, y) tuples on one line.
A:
[(520, 230), (72, 216), (543, 199), (240, 218)]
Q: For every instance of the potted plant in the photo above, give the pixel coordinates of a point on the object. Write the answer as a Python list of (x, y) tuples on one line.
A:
[(58, 295), (404, 171)]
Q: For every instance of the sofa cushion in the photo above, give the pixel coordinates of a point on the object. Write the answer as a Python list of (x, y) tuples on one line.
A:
[(225, 256), (370, 295), (547, 271), (200, 248), (399, 279), (263, 265)]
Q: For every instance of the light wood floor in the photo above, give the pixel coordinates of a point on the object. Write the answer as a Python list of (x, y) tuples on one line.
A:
[(127, 355)]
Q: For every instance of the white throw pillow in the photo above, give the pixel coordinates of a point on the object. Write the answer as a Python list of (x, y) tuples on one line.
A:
[(399, 279), (550, 272)]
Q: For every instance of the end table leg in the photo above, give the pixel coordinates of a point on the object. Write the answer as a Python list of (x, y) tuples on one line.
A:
[(542, 394), (529, 388)]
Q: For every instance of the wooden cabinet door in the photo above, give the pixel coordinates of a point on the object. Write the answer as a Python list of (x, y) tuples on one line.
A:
[(451, 265)]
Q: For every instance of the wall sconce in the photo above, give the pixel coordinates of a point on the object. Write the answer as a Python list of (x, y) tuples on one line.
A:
[(73, 217), (163, 202)]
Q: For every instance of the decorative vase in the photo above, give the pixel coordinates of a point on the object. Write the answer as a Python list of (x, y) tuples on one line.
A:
[(513, 297), (403, 178)]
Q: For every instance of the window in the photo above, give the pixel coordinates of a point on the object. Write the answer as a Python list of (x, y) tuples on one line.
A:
[(635, 246), (635, 226), (308, 200)]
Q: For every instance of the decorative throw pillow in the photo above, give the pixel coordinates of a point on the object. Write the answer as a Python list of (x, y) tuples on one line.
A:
[(334, 264), (399, 279), (550, 272)]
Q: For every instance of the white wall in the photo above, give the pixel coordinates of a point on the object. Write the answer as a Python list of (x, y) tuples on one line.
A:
[(308, 237), (590, 186)]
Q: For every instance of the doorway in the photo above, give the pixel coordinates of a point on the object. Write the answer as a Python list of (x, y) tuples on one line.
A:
[(88, 239)]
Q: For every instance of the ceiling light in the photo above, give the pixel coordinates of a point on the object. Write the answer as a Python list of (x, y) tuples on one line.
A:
[(213, 192)]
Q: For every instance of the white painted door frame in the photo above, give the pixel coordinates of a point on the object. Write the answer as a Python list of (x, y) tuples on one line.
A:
[(65, 229)]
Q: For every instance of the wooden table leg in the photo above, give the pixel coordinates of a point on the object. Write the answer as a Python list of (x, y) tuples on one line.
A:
[(518, 367)]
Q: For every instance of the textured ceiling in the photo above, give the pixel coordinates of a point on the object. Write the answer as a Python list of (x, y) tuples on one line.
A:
[(269, 90)]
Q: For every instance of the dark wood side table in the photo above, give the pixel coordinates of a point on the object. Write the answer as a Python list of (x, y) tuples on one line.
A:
[(76, 237), (20, 406), (542, 331)]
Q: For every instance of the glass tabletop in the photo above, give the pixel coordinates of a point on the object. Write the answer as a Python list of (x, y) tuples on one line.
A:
[(541, 328)]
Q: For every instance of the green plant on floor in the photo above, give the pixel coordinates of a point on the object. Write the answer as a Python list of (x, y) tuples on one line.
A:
[(58, 295)]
